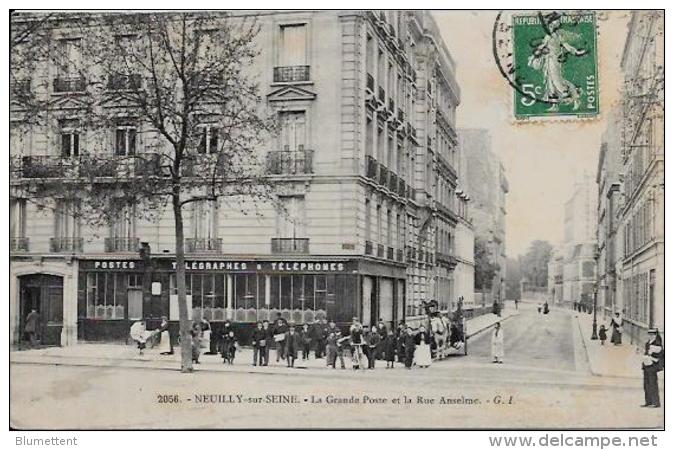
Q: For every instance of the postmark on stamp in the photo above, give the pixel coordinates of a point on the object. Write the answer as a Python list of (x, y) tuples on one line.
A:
[(550, 59)]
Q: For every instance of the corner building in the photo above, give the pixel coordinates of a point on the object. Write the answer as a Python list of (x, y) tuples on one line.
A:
[(365, 159)]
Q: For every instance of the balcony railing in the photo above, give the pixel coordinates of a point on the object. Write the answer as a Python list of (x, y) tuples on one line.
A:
[(123, 82), (445, 258), (389, 253), (66, 244), (368, 247), (290, 162), (68, 84), (383, 175), (393, 182), (18, 244), (372, 167), (148, 164), (402, 188), (203, 245), (289, 74), (121, 244), (95, 167), (380, 250), (44, 166), (290, 245), (370, 83)]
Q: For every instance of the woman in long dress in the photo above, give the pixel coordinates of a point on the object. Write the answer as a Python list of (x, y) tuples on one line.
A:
[(617, 326), (165, 346), (497, 344), (422, 354)]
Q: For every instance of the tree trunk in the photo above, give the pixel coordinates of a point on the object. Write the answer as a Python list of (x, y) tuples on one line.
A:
[(185, 325)]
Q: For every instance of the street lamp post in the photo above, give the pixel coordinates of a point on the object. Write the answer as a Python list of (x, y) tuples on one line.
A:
[(594, 313)]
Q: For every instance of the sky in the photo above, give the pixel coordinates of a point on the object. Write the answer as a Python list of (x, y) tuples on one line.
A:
[(542, 159)]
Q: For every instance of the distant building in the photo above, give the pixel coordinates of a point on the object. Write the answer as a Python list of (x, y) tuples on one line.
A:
[(608, 203), (487, 186), (556, 275), (580, 218)]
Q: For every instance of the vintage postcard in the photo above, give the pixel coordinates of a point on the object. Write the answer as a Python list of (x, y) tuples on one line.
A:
[(336, 219)]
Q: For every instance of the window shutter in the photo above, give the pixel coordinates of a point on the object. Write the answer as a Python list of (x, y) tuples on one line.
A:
[(132, 141)]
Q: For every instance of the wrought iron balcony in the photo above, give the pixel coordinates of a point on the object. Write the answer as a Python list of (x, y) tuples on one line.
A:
[(290, 74), (66, 244), (44, 166), (96, 167), (124, 82), (383, 175), (290, 245), (290, 162), (372, 167), (370, 83), (203, 245), (68, 84), (402, 188), (445, 258), (368, 247), (148, 164), (393, 182), (121, 244), (389, 253), (18, 244)]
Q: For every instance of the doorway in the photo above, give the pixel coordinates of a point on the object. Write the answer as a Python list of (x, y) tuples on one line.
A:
[(44, 294)]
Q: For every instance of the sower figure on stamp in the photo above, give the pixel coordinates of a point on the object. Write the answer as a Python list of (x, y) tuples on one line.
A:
[(653, 362), (549, 58)]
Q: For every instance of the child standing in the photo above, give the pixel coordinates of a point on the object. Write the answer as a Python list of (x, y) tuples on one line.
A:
[(332, 348), (372, 340), (229, 348), (410, 347), (602, 334), (390, 345), (293, 342)]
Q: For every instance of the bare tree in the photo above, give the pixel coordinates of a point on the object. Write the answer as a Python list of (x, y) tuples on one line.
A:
[(184, 84)]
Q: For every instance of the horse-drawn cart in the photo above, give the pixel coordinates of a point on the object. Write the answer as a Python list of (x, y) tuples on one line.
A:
[(448, 333)]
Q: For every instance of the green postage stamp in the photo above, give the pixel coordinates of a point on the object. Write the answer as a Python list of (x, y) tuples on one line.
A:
[(555, 65)]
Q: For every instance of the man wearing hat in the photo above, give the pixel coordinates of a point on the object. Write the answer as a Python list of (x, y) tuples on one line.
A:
[(653, 362), (293, 343)]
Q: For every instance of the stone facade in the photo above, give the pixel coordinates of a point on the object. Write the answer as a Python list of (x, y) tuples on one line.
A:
[(367, 105)]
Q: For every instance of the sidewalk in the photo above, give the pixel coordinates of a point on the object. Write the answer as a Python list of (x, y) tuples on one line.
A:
[(126, 356), (609, 360), (485, 321)]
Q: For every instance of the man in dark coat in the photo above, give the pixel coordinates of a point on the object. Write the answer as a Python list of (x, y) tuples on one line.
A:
[(319, 335), (400, 341), (259, 344), (409, 345), (383, 332), (653, 362), (280, 330), (372, 346), (293, 344), (269, 338)]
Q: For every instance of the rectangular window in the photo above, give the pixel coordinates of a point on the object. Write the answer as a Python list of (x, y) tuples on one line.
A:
[(368, 220), (290, 221), (67, 223), (124, 221), (17, 221), (209, 139), (125, 140), (293, 48), (293, 130), (103, 299), (205, 219), (70, 138), (70, 57)]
